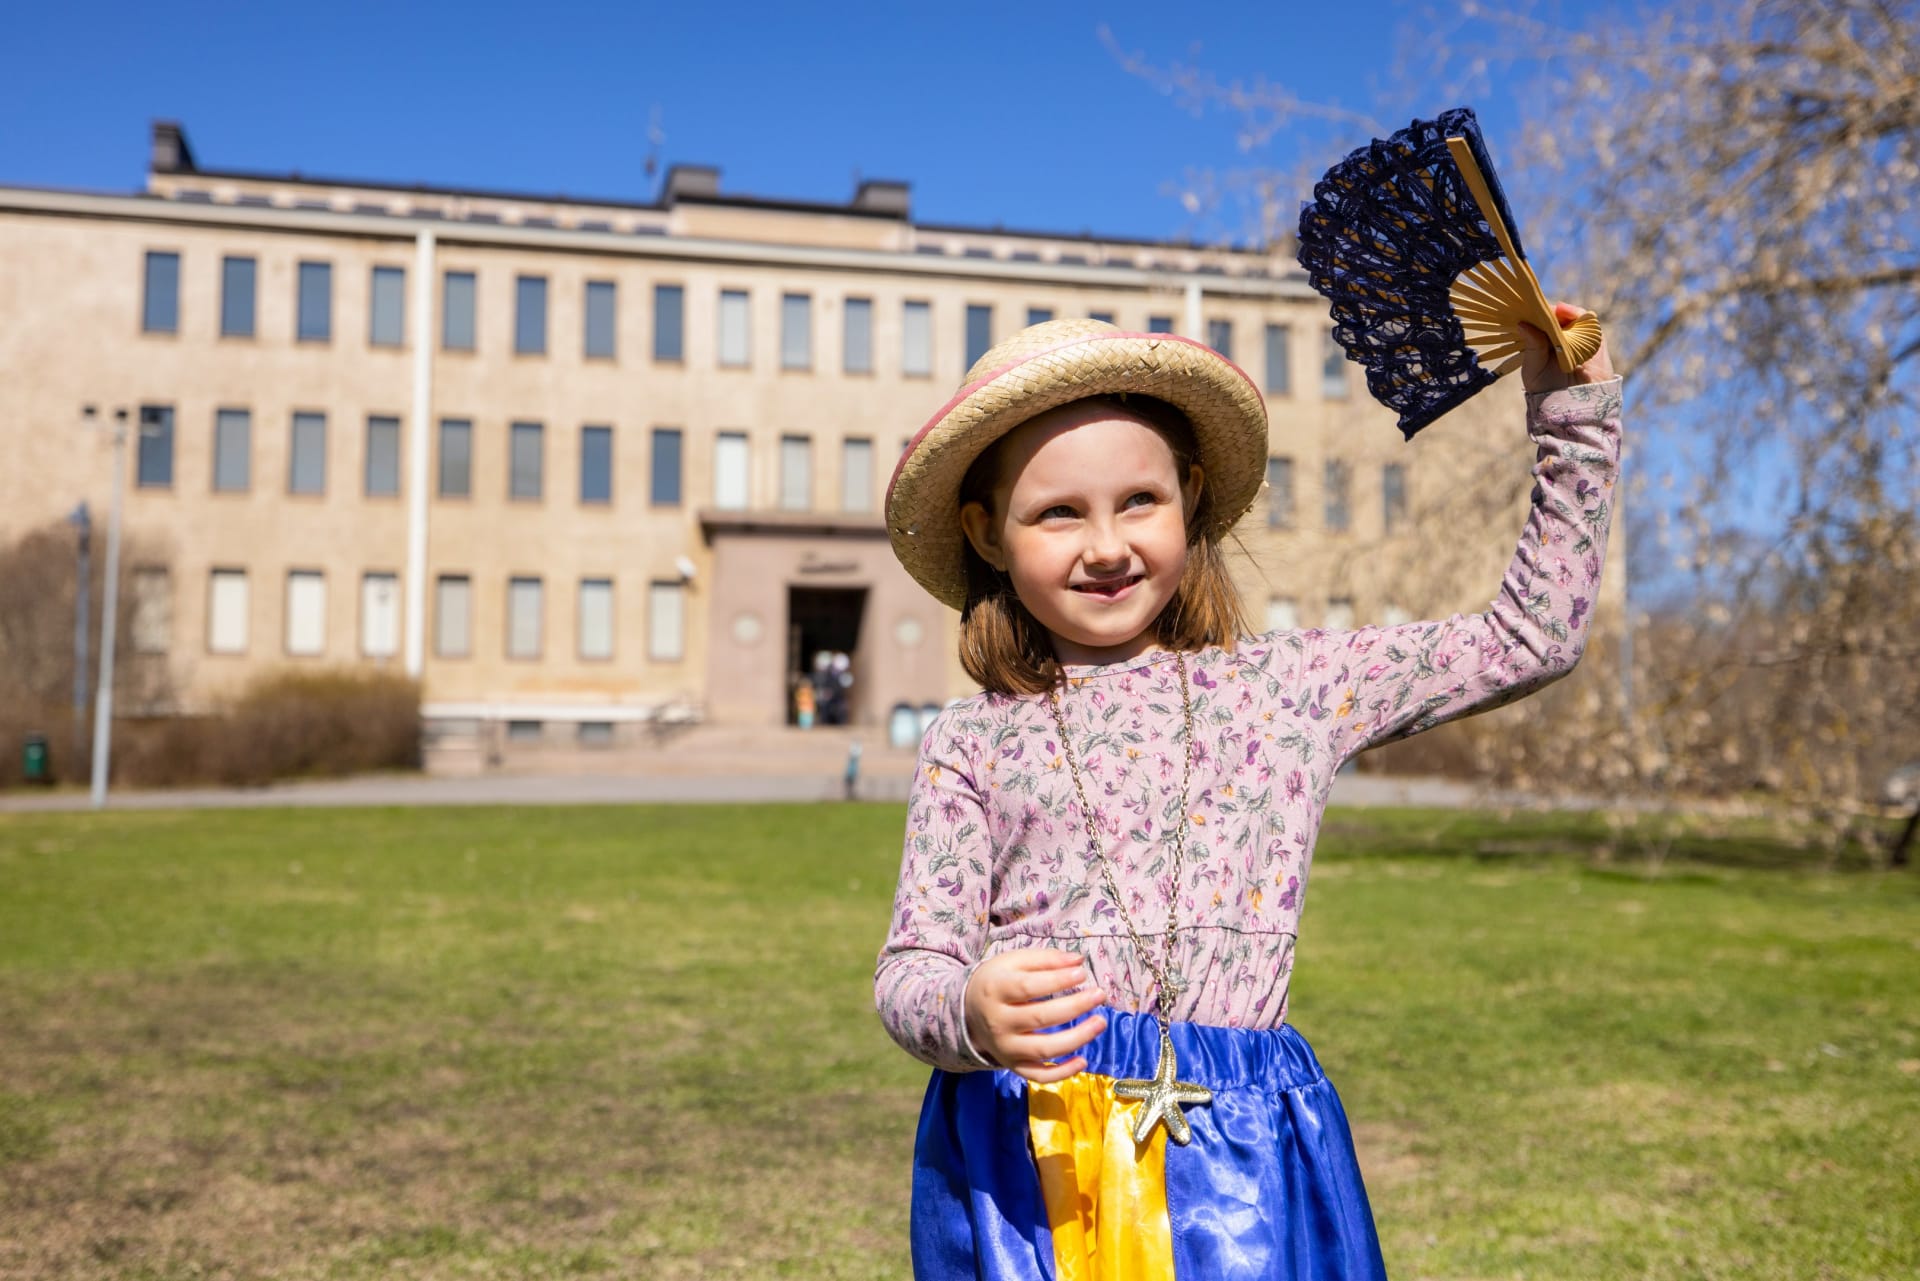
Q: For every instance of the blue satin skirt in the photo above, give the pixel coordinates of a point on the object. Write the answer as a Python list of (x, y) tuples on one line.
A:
[(1269, 1186)]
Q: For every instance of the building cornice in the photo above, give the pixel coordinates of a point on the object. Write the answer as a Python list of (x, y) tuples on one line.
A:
[(651, 245)]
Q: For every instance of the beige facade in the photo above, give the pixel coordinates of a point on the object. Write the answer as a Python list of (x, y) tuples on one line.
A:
[(694, 591)]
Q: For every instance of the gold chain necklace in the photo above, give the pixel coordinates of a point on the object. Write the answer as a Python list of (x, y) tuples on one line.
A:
[(1163, 1094)]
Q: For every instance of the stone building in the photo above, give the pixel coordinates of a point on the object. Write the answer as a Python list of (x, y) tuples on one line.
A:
[(580, 464)]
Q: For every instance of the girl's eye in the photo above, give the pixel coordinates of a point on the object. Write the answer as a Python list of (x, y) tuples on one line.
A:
[(1058, 510), (1142, 497)]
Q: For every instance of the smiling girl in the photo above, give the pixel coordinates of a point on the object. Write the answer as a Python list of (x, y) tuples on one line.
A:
[(1107, 848)]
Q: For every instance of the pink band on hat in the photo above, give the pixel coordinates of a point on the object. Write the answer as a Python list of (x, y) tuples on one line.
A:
[(984, 379)]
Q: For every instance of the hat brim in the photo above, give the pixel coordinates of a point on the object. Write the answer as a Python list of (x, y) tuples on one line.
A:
[(1228, 415)]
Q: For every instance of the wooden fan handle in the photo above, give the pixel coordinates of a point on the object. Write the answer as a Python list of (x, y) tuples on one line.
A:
[(1543, 318)]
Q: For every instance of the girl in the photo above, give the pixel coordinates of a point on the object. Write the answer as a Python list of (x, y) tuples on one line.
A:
[(1107, 849)]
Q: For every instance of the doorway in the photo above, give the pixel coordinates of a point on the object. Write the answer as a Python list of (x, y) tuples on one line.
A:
[(824, 621)]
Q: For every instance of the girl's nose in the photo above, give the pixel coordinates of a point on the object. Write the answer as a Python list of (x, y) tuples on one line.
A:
[(1105, 546)]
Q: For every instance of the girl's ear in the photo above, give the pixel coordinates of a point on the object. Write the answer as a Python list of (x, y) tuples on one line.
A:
[(978, 524), (1190, 492)]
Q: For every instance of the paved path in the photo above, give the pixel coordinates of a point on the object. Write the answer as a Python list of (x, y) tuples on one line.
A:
[(602, 789)]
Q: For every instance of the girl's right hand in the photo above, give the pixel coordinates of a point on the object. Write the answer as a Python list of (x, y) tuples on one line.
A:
[(1011, 995)]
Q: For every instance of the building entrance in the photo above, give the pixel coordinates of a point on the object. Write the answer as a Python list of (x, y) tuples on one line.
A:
[(823, 635)]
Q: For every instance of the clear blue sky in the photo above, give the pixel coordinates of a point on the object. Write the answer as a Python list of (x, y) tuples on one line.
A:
[(1008, 113)]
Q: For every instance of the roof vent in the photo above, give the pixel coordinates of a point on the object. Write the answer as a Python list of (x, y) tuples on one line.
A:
[(171, 154), (880, 196), (690, 182)]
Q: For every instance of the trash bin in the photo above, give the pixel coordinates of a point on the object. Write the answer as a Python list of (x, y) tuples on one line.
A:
[(35, 765)]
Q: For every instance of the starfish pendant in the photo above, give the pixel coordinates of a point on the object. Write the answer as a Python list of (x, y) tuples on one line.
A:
[(1163, 1096)]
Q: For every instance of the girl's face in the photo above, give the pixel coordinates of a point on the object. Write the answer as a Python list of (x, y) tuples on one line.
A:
[(1089, 521)]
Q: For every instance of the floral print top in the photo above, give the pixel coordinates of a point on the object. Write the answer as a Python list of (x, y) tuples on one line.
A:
[(997, 855)]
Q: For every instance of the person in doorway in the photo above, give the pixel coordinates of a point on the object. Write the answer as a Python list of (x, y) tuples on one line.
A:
[(1107, 849)]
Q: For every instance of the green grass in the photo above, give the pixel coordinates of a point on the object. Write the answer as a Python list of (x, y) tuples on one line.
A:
[(639, 1042)]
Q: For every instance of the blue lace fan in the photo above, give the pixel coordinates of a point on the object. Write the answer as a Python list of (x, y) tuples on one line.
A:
[(1412, 240)]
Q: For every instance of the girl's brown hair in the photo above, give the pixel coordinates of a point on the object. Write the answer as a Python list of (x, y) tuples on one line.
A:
[(1004, 647)]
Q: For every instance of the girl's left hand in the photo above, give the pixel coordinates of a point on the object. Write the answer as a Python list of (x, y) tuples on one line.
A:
[(1539, 371)]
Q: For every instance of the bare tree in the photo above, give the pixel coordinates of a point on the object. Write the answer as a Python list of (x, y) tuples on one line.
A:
[(1733, 186)]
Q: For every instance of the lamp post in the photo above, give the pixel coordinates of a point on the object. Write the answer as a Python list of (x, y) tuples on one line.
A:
[(109, 610), (82, 520)]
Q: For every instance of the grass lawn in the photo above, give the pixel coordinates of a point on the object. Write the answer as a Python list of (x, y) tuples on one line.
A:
[(640, 1042)]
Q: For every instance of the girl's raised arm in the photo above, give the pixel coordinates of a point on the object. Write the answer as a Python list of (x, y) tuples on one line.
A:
[(938, 933), (1382, 683)]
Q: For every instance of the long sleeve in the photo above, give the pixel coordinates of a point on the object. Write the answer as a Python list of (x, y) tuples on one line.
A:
[(938, 934), (1377, 684)]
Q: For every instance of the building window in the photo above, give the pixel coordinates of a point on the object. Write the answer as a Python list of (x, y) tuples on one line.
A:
[(916, 340), (1159, 324), (665, 467), (530, 315), (669, 312), (596, 464), (383, 457), (525, 731), (160, 305), (666, 622), (236, 297), (730, 471), (796, 331), (1104, 317), (523, 618), (1393, 496), (1278, 375), (979, 332), (600, 307), (596, 618), (796, 473), (232, 451), (227, 612), (307, 456), (456, 457), (452, 616), (1339, 475), (1039, 315), (1333, 370), (152, 621), (313, 321), (380, 615), (734, 349), (1395, 615), (387, 323), (1280, 493), (1220, 337), (856, 475), (856, 346), (1283, 614), (594, 733), (153, 457), (526, 446), (306, 613), (1340, 614), (457, 308)]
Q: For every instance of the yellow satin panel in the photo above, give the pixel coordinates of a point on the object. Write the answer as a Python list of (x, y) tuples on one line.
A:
[(1106, 1206)]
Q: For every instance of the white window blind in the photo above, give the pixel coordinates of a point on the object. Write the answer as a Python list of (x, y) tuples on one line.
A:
[(596, 618), (733, 327), (796, 473), (306, 612), (1340, 614), (380, 615), (453, 616), (1283, 614), (730, 471), (796, 331), (916, 339), (523, 618), (227, 612), (856, 475), (666, 622), (152, 610)]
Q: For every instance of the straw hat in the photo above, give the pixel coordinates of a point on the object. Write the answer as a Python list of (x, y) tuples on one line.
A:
[(1045, 366)]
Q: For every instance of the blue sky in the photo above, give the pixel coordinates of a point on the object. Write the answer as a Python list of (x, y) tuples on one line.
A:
[(998, 113)]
